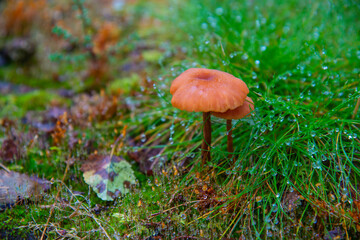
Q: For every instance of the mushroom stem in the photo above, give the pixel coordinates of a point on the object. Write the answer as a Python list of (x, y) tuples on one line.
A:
[(230, 147), (206, 144)]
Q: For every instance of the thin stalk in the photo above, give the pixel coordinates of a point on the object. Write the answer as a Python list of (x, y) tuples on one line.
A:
[(356, 108), (206, 144), (230, 147)]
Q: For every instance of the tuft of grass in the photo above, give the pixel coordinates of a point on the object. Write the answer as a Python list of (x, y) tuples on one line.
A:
[(296, 170)]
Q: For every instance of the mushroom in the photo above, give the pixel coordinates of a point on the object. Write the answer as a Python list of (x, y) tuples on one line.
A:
[(237, 113), (207, 90)]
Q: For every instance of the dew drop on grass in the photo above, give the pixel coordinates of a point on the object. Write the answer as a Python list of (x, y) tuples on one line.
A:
[(219, 11), (143, 138), (254, 76), (263, 129)]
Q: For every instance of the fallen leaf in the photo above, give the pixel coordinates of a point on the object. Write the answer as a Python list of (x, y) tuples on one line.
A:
[(108, 177), (290, 201), (145, 158), (9, 150), (16, 186), (337, 233)]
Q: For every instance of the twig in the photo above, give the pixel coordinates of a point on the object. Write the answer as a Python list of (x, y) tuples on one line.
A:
[(5, 168), (158, 213), (114, 146), (187, 237)]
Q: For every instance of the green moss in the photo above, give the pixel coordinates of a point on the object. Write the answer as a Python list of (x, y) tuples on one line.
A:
[(124, 85), (17, 105), (152, 56), (38, 100)]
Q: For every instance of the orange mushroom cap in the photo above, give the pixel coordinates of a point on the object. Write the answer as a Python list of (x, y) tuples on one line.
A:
[(238, 112), (207, 90)]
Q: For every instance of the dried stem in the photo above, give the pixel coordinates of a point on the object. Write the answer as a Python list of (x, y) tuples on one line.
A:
[(56, 199), (5, 168), (356, 108)]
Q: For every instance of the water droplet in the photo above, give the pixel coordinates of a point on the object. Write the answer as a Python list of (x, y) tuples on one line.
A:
[(143, 138), (219, 11), (263, 129)]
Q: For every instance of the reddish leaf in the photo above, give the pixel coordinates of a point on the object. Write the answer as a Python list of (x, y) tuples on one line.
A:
[(9, 150)]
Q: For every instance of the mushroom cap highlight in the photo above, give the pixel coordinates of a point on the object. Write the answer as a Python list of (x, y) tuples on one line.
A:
[(207, 90), (238, 112)]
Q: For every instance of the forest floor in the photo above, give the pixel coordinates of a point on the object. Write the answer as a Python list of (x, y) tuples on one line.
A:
[(91, 147)]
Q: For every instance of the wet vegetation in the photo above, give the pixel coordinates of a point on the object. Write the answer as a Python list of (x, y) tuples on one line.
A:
[(84, 80)]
